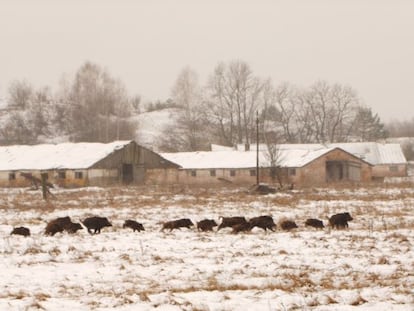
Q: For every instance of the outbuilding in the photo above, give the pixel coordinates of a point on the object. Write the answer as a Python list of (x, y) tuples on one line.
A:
[(79, 164), (302, 167)]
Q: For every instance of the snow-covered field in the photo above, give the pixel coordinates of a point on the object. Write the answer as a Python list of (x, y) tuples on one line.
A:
[(370, 266)]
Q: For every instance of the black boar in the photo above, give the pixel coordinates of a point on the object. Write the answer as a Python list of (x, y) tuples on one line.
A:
[(231, 221), (21, 231), (316, 223), (57, 225), (340, 220), (206, 225), (96, 224), (242, 227), (176, 224), (134, 225), (264, 222), (288, 225)]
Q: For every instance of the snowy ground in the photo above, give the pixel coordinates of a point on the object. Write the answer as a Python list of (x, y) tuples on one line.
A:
[(370, 266)]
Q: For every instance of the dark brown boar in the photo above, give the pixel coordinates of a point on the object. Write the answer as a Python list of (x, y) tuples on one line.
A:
[(96, 223), (134, 225), (340, 220), (57, 225), (177, 224), (242, 227), (316, 223), (264, 222), (206, 225), (231, 221), (72, 227), (21, 231), (288, 225)]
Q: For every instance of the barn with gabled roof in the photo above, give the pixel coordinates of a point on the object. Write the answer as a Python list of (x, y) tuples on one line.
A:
[(301, 166), (79, 164)]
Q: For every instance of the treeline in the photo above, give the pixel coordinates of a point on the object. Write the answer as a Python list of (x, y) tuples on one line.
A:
[(91, 107), (226, 109), (94, 106)]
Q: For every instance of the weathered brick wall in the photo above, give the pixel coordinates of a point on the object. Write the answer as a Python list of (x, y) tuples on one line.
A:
[(394, 170)]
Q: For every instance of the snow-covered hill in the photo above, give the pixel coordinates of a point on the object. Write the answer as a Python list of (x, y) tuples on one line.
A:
[(152, 124)]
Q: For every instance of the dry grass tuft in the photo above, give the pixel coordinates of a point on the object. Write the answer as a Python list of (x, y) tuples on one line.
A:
[(55, 251), (33, 250), (358, 301), (35, 306), (383, 261)]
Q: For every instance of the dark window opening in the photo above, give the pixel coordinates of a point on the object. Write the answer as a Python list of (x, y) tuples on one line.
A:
[(62, 175), (78, 175), (393, 168), (292, 171), (232, 173), (212, 173), (193, 173), (12, 176), (252, 172)]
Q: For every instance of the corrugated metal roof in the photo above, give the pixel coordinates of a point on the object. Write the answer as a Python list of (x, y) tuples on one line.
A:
[(56, 156), (375, 153)]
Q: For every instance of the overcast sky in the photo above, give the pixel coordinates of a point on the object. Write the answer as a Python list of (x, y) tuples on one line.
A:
[(366, 44)]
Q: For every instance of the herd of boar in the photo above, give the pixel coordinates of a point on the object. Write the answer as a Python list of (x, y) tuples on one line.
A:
[(236, 223)]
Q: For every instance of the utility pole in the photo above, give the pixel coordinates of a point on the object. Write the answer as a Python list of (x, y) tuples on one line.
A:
[(257, 148)]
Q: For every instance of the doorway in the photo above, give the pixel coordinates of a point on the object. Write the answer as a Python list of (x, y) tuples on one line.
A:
[(127, 173)]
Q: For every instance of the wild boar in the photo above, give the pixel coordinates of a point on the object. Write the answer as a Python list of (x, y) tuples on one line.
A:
[(57, 225), (264, 222), (206, 225), (72, 227), (231, 221), (242, 227), (288, 225), (96, 224), (340, 220), (21, 231), (134, 225), (316, 223), (177, 224)]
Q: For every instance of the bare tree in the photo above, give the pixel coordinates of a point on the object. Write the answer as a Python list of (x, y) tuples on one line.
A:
[(221, 107), (20, 93), (400, 128), (343, 109), (15, 130), (98, 106), (29, 121), (234, 96), (272, 136), (189, 133), (328, 112)]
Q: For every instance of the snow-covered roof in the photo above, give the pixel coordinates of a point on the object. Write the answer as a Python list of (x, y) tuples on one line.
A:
[(371, 152), (375, 153), (242, 159), (56, 156)]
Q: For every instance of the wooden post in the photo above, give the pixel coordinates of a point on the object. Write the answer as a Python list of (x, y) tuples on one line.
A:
[(257, 148), (44, 185)]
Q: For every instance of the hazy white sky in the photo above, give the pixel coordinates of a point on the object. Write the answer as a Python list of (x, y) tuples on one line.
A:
[(367, 44)]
